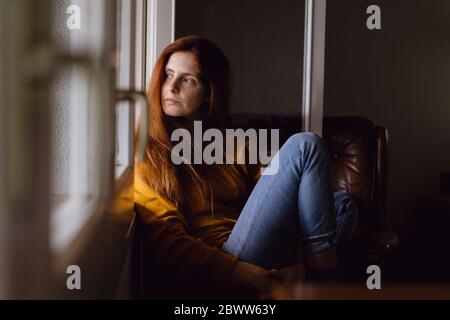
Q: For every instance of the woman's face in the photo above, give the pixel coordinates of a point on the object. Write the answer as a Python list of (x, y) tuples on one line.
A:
[(183, 92)]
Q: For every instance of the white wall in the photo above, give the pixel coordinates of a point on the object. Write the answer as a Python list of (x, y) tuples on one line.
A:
[(60, 106)]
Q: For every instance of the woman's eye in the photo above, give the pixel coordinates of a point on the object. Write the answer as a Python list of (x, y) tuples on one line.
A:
[(168, 76), (189, 80)]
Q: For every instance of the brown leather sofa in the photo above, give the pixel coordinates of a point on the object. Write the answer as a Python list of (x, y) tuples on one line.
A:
[(359, 153)]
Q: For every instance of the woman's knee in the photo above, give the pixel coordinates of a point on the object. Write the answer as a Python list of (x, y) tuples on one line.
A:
[(309, 139)]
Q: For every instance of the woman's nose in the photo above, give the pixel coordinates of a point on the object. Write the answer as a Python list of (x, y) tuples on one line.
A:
[(173, 86)]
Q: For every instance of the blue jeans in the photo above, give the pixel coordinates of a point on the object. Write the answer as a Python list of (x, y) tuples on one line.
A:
[(293, 211)]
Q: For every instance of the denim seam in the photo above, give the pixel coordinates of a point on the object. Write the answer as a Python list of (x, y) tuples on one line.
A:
[(321, 237)]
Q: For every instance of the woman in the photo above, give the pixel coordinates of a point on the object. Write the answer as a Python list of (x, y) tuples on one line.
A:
[(223, 225)]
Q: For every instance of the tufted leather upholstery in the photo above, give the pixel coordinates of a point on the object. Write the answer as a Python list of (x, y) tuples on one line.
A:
[(359, 156), (353, 144)]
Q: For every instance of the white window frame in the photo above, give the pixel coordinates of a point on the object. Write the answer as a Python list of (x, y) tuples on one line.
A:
[(153, 31), (160, 30), (314, 66), (132, 63), (92, 129), (126, 70), (74, 222)]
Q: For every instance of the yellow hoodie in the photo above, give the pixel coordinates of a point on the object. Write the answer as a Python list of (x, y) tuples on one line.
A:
[(189, 245)]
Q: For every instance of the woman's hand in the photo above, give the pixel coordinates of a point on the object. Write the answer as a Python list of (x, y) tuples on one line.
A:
[(292, 273), (265, 283), (283, 281), (247, 275)]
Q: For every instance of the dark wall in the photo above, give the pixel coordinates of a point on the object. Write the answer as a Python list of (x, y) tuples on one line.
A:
[(263, 41), (399, 78)]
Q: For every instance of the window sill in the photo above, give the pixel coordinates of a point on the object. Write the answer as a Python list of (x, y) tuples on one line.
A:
[(71, 215), (95, 236)]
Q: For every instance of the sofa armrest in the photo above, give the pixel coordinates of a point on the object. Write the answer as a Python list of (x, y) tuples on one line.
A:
[(381, 173)]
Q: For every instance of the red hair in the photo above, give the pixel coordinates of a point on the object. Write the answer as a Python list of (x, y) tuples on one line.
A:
[(169, 180)]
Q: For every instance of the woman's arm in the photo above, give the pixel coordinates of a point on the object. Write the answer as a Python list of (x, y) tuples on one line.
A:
[(247, 275), (182, 256)]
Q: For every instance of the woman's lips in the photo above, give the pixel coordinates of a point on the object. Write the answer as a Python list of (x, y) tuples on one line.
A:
[(171, 101)]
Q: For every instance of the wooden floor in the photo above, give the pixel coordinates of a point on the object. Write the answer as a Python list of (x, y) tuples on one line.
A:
[(354, 292)]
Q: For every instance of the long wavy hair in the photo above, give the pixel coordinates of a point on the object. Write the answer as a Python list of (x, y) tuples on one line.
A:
[(170, 180)]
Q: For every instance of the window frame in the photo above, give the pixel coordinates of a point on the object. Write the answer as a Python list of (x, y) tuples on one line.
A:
[(113, 216), (91, 128)]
